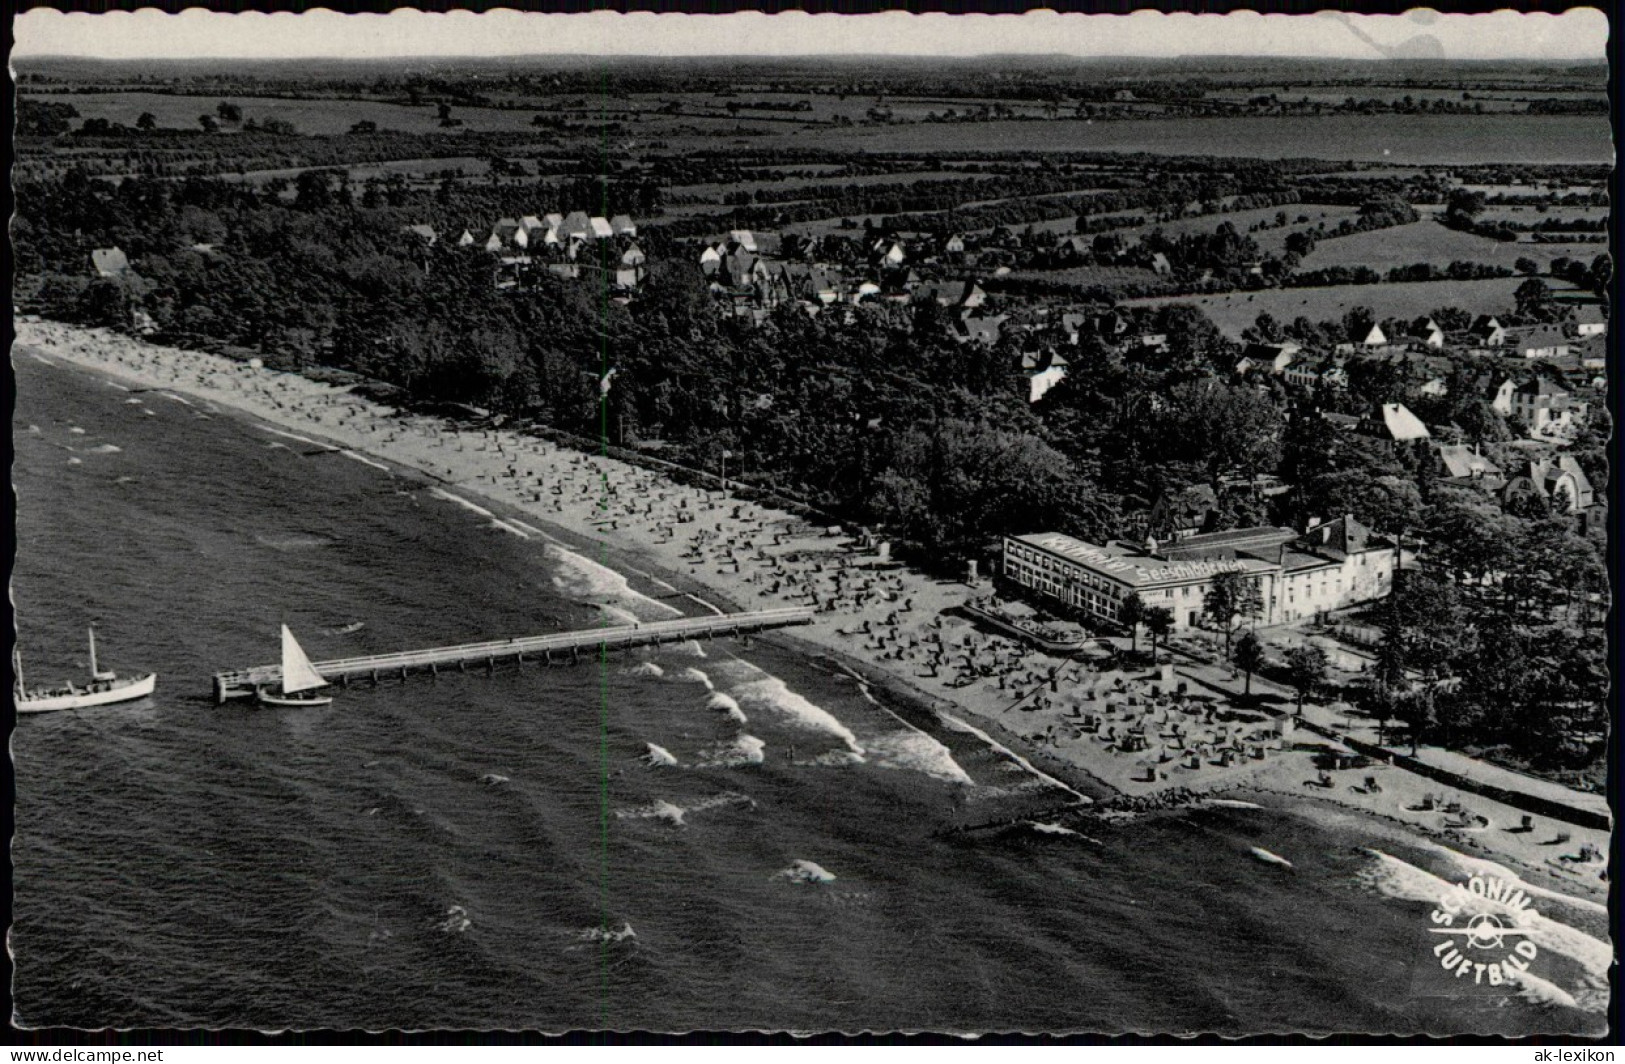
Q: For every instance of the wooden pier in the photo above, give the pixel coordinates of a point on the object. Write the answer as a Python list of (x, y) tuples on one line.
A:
[(560, 648)]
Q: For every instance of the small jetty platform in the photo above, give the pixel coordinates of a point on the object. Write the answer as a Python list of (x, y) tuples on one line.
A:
[(560, 648)]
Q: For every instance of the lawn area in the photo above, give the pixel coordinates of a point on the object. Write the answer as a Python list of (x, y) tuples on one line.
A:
[(1430, 242), (1109, 276), (1234, 311), (1270, 241)]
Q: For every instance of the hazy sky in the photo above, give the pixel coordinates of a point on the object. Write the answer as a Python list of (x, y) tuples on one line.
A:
[(1577, 34)]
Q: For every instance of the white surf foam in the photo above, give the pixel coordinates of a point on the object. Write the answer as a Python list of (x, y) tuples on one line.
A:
[(727, 706), (1227, 803), (661, 810), (647, 668), (364, 460), (1270, 858), (505, 526), (458, 500), (744, 750), (176, 398), (76, 431), (692, 675), (617, 614), (493, 779), (1466, 865), (917, 751), (1534, 989), (106, 448), (285, 435), (658, 756), (457, 920), (999, 748), (584, 577), (605, 934), (806, 872), (1398, 879)]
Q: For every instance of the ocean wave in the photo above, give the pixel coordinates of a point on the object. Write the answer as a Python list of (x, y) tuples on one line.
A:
[(493, 779), (1533, 988), (801, 871), (583, 577), (457, 920), (960, 726), (917, 751), (364, 460), (647, 668), (604, 934), (661, 810), (512, 530), (76, 431), (658, 756), (1044, 828), (446, 495), (770, 692), (744, 750), (692, 675), (1394, 878), (727, 706), (106, 448), (617, 614), (1466, 865), (1269, 858)]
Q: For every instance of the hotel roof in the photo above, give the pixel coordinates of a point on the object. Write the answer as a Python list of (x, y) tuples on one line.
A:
[(1134, 567)]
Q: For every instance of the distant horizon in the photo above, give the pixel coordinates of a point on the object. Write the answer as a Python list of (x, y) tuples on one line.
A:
[(1576, 36)]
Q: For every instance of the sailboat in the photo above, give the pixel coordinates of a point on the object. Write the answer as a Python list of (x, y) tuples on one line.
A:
[(299, 678), (104, 688)]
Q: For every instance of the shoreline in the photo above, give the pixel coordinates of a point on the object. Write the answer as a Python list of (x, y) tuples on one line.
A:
[(870, 611)]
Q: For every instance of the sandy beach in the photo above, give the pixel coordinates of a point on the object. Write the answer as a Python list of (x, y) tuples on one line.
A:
[(1094, 730)]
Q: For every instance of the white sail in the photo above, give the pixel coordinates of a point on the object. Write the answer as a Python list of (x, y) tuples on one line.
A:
[(95, 672), (298, 674)]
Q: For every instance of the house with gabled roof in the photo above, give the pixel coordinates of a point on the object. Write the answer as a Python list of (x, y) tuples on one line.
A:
[(577, 225), (1559, 481), (1590, 319), (109, 262), (979, 329), (424, 232), (468, 239), (623, 225), (601, 229), (1547, 408), (1044, 370), (1488, 332), (1462, 463), (1539, 342)]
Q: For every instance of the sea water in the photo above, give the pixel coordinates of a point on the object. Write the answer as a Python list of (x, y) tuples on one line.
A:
[(696, 838)]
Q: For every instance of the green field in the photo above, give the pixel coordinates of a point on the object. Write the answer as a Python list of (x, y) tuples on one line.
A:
[(1234, 311), (1270, 241), (1416, 140), (1428, 241)]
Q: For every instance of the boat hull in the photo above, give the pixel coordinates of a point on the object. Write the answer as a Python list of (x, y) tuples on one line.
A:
[(114, 693), (267, 698)]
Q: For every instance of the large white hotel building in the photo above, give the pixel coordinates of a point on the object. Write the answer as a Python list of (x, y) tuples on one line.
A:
[(1334, 564)]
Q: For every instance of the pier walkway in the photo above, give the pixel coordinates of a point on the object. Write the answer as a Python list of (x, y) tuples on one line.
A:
[(558, 648)]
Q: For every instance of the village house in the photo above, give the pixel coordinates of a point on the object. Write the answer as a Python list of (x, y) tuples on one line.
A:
[(1547, 408), (1044, 370), (1267, 358), (1539, 342), (1393, 423), (1590, 319), (1487, 332), (1332, 565), (1559, 481), (1460, 463), (109, 262), (425, 232)]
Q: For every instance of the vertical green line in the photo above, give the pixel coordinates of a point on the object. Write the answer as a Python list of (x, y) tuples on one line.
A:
[(603, 650)]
